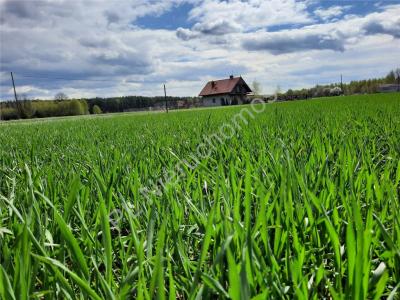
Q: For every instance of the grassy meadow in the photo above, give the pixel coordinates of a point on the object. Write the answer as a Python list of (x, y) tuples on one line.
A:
[(300, 203)]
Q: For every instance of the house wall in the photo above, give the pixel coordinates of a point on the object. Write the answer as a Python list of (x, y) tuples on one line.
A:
[(214, 100), (218, 100)]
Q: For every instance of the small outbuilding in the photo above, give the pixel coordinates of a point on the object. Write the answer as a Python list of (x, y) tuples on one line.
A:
[(389, 88), (231, 91)]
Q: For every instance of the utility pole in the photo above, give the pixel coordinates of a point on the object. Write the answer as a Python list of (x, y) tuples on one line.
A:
[(341, 83), (165, 96), (15, 95)]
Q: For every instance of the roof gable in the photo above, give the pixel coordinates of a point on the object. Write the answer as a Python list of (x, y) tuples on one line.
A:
[(224, 86)]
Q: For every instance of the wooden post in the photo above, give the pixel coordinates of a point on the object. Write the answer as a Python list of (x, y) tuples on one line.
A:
[(15, 95), (165, 96)]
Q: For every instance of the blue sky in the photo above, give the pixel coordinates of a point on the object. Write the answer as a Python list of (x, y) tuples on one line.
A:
[(178, 15), (132, 47), (171, 19)]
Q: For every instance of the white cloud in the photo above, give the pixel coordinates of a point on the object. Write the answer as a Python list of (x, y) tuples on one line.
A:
[(331, 12), (214, 17), (335, 35), (252, 14)]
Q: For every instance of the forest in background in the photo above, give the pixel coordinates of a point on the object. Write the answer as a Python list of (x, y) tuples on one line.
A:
[(62, 106), (368, 86)]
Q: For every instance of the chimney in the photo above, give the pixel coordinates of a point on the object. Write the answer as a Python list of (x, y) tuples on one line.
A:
[(231, 77), (212, 84)]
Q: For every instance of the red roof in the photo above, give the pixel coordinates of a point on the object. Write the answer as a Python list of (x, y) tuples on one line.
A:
[(224, 86)]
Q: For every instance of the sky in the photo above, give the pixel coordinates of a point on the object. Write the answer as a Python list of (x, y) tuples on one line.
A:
[(110, 48)]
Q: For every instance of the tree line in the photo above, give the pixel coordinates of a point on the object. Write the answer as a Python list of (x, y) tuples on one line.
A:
[(27, 109), (128, 103), (62, 106), (369, 86)]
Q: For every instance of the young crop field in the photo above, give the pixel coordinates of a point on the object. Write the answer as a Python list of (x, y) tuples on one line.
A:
[(300, 201)]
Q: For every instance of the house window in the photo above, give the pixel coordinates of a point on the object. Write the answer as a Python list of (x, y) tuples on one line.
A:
[(213, 100)]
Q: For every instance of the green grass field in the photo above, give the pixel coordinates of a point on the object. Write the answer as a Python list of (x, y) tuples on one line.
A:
[(301, 202)]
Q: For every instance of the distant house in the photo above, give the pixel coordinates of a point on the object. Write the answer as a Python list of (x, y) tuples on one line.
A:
[(231, 91), (388, 88)]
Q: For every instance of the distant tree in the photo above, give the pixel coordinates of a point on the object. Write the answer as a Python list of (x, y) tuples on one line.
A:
[(60, 96), (278, 92), (289, 94), (391, 77), (85, 106), (27, 109), (8, 113), (75, 108), (25, 106), (96, 110), (256, 87)]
